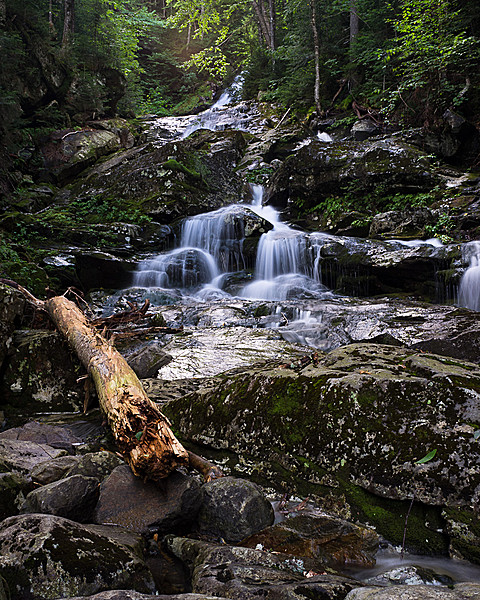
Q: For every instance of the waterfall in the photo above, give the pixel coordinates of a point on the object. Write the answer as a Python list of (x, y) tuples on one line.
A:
[(469, 292), (212, 117), (211, 244), (284, 266)]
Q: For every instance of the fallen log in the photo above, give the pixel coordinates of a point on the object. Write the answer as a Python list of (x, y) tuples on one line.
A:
[(141, 431)]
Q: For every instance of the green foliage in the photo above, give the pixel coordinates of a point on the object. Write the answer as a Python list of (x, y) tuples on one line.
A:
[(431, 58), (427, 458)]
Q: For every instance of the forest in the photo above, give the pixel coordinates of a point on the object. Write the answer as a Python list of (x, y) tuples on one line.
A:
[(405, 62)]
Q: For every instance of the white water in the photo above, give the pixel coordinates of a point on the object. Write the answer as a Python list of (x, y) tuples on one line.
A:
[(212, 117), (284, 267), (469, 292)]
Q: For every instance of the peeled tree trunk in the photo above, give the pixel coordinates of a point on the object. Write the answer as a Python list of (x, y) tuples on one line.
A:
[(142, 432)]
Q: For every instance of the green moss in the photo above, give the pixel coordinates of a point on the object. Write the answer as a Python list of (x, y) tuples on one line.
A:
[(175, 165)]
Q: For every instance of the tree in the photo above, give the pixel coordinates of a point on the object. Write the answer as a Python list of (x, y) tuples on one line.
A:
[(316, 48), (68, 23)]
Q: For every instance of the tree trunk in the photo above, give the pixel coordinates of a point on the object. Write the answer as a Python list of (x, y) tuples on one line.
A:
[(68, 23), (272, 27), (141, 431), (259, 9), (354, 29), (316, 48)]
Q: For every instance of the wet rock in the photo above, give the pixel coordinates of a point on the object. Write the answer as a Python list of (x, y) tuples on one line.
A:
[(363, 129), (233, 509), (22, 456), (12, 306), (11, 485), (53, 470), (41, 375), (328, 539), (44, 557), (120, 127), (464, 530), (68, 152), (146, 507), (246, 574), (96, 464), (43, 433), (409, 575), (147, 359), (74, 498), (317, 171), (417, 592), (367, 410)]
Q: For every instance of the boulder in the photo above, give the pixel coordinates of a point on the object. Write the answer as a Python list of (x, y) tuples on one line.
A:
[(22, 456), (74, 498), (363, 414), (233, 509), (96, 464), (70, 151), (401, 223), (363, 129), (317, 171), (147, 507), (41, 375), (247, 574), (45, 556), (43, 433), (326, 538), (175, 180), (147, 359), (461, 591), (53, 470)]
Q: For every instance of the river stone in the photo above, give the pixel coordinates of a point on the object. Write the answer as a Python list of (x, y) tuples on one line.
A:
[(233, 509), (41, 375), (147, 359), (363, 129), (461, 591), (145, 507), (96, 464), (409, 575), (365, 412), (74, 498), (53, 470), (247, 574), (22, 456), (130, 595), (42, 433), (11, 485), (45, 556), (328, 539)]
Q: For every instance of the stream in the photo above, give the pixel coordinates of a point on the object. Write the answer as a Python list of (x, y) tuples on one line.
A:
[(209, 271)]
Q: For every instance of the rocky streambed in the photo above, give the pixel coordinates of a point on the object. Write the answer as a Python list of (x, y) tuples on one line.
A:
[(343, 408)]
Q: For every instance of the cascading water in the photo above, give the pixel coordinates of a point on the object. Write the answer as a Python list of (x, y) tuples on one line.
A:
[(284, 266), (469, 292), (211, 244)]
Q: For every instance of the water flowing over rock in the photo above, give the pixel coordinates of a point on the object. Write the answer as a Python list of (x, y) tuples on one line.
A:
[(469, 292)]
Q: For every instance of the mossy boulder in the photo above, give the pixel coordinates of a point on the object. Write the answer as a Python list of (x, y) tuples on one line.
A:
[(317, 171), (12, 306), (41, 375), (177, 179), (364, 415), (45, 557)]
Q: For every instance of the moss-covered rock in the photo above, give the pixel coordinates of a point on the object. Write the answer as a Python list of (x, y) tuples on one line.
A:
[(41, 375), (364, 415), (46, 557), (175, 180)]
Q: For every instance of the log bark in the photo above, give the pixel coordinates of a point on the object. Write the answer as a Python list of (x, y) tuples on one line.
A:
[(142, 432)]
